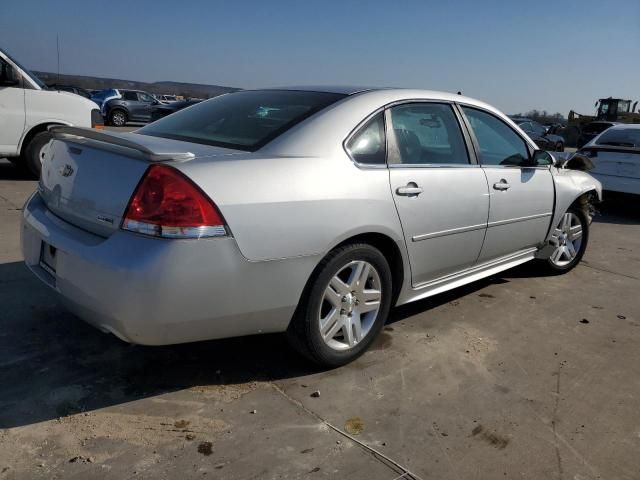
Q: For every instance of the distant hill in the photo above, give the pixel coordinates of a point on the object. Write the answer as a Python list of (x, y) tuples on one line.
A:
[(196, 90)]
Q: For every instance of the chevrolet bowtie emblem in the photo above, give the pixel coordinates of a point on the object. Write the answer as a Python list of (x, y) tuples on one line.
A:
[(67, 171)]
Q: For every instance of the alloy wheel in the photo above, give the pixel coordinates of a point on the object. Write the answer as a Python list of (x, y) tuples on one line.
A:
[(567, 240), (350, 305), (118, 119)]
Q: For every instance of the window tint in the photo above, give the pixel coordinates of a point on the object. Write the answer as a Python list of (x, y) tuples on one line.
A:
[(620, 137), (526, 126), (537, 128), (427, 133), (8, 75), (244, 120), (368, 144), (499, 145), (130, 96)]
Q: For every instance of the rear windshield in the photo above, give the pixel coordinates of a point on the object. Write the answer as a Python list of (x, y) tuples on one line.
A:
[(243, 120), (620, 137)]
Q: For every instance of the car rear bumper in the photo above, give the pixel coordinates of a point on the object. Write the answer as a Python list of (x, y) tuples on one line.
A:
[(158, 291)]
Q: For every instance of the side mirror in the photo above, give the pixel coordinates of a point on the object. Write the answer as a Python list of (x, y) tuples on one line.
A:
[(542, 158)]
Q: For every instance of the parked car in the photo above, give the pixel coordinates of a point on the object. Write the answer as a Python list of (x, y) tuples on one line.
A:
[(69, 88), (310, 212), (591, 131), (166, 98), (100, 97), (162, 110), (615, 154), (134, 106), (554, 128), (28, 108), (538, 133)]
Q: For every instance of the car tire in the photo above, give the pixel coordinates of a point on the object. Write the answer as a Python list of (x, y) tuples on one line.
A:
[(559, 147), (118, 117), (570, 238), (337, 318), (34, 152)]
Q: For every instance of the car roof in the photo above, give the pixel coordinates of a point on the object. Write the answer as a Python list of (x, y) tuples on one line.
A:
[(343, 89), (387, 93), (621, 126)]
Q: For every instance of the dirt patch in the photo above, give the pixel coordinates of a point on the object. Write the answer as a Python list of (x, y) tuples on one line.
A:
[(205, 448), (354, 426), (383, 342), (492, 438)]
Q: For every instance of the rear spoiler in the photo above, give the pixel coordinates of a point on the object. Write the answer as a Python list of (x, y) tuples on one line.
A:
[(63, 132)]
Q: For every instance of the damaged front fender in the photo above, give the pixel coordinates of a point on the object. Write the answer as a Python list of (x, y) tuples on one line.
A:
[(572, 187), (572, 161)]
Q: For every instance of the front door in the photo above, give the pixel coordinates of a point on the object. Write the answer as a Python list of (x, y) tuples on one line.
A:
[(145, 105), (12, 112), (520, 196), (441, 197)]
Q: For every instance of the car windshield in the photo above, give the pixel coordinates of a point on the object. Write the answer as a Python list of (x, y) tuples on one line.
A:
[(243, 120), (621, 137), (33, 77)]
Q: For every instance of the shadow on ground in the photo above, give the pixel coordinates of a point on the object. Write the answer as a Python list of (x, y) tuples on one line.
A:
[(53, 364), (619, 208), (8, 171)]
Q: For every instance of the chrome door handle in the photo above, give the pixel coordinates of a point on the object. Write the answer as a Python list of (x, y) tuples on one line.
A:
[(411, 190), (501, 185)]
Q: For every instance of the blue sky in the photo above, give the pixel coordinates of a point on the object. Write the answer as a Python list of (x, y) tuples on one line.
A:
[(515, 54)]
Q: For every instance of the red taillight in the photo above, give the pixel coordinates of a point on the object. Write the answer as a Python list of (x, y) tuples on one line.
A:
[(168, 204)]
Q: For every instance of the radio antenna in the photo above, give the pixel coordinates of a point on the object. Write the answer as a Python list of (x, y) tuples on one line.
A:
[(58, 48)]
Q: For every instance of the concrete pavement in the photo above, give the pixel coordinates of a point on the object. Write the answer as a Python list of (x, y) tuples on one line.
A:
[(517, 376)]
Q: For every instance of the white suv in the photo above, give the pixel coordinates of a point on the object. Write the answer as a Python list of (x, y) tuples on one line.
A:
[(28, 108)]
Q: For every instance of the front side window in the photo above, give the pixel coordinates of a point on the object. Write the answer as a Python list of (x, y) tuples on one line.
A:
[(244, 120), (145, 98), (499, 144), (9, 77), (427, 133), (368, 145)]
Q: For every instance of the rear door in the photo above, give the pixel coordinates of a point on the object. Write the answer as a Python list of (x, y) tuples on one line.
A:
[(440, 195), (12, 111), (521, 197)]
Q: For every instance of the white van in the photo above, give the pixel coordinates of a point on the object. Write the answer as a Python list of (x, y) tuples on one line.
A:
[(27, 108)]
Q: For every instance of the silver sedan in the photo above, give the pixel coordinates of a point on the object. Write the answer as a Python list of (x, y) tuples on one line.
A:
[(310, 211)]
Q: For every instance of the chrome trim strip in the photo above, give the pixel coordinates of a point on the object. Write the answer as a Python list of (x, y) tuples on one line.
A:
[(453, 231), (476, 268), (433, 165), (518, 219)]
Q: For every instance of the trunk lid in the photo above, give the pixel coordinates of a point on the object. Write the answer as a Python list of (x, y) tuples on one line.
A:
[(88, 176)]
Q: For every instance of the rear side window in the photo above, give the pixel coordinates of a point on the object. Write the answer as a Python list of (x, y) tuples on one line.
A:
[(242, 120), (368, 145), (130, 96), (427, 133), (499, 144)]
